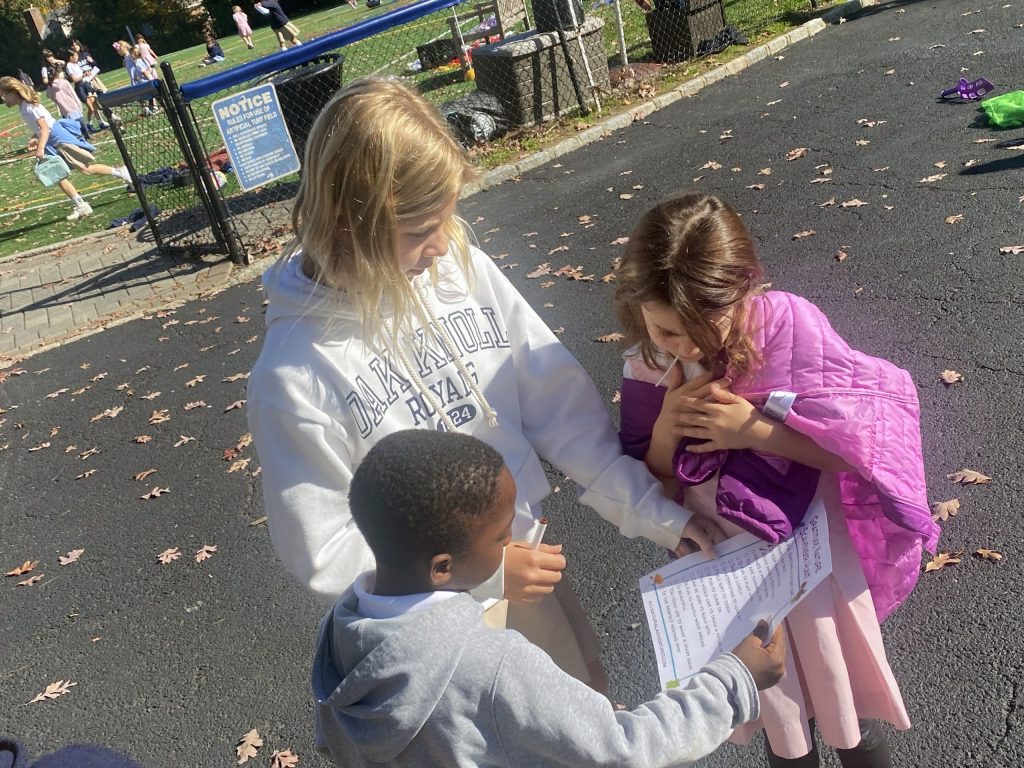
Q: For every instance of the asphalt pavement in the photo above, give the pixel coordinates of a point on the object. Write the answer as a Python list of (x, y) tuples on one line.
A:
[(174, 662)]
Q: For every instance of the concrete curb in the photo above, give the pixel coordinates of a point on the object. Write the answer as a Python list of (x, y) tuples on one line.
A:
[(841, 12), (690, 88)]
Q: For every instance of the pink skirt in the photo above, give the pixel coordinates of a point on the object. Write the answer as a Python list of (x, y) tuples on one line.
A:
[(836, 668), (244, 30)]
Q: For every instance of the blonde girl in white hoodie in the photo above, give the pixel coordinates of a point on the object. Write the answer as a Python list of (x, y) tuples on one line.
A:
[(383, 317)]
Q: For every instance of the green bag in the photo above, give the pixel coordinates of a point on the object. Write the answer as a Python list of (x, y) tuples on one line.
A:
[(51, 169), (1005, 111)]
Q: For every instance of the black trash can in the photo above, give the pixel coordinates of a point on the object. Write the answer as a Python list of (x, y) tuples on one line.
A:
[(304, 91), (548, 13)]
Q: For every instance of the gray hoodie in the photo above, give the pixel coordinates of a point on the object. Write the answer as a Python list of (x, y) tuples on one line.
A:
[(438, 688)]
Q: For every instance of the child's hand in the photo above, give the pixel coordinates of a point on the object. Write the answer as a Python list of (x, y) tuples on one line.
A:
[(675, 409), (767, 663), (726, 421), (700, 535), (530, 574)]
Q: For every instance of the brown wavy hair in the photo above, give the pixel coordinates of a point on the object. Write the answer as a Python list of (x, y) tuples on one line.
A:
[(693, 253)]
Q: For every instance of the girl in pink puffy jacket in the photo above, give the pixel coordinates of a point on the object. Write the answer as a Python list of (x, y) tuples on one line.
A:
[(750, 407)]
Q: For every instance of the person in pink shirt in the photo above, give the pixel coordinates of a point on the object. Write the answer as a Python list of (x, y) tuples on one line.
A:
[(60, 90), (146, 51), (242, 22)]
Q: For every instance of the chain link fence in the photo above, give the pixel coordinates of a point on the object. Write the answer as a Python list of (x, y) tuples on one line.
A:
[(493, 67)]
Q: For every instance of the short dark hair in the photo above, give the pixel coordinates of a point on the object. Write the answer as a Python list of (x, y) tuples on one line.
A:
[(420, 493)]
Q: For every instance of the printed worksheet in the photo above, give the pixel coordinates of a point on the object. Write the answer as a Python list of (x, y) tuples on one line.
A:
[(698, 608)]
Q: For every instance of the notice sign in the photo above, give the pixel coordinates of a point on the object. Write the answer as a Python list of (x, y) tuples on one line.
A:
[(256, 136), (698, 609)]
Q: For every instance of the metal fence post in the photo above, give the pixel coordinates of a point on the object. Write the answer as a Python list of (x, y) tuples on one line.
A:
[(195, 155)]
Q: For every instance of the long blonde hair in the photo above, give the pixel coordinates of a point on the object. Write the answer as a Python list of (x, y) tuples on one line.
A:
[(377, 154), (692, 253), (14, 85)]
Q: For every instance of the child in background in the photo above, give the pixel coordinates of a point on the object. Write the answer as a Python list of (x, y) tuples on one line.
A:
[(285, 31), (141, 71), (62, 138), (751, 407), (242, 23), (406, 673), (81, 77), (146, 50), (85, 58), (381, 317), (67, 101), (214, 53)]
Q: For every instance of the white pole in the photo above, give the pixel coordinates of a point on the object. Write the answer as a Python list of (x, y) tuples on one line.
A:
[(622, 34), (583, 53)]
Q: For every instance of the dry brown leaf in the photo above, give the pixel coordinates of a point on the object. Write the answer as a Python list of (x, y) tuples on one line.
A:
[(235, 377), (151, 396), (828, 203), (25, 567), (942, 560), (87, 473), (144, 474), (855, 203), (70, 557), (842, 256), (765, 172), (239, 465), (863, 142), (755, 186), (55, 395), (30, 580), (935, 177), (558, 249), (244, 441), (1013, 249), (284, 759), (610, 277), (951, 377), (954, 218), (159, 417), (625, 196), (943, 510), (168, 556), (195, 404), (235, 405), (53, 690), (98, 377), (711, 165), (39, 447), (205, 552), (796, 154), (109, 413), (241, 319), (547, 284), (803, 234), (154, 492), (197, 380), (540, 271), (86, 454), (248, 745), (610, 337), (969, 477), (617, 397), (620, 241), (821, 180), (142, 439), (992, 555)]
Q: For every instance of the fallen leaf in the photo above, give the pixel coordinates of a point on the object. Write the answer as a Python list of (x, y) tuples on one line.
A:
[(159, 417), (25, 567), (235, 377), (168, 556), (842, 256), (151, 396), (943, 510), (540, 271), (940, 165), (889, 72), (610, 337), (796, 154), (53, 690), (142, 439), (241, 319), (144, 474), (984, 141), (248, 745), (178, 368), (197, 380), (784, 84), (765, 172), (625, 196), (993, 556), (86, 454), (863, 142), (245, 441), (619, 241), (239, 465), (30, 580), (954, 218), (711, 165), (610, 277), (70, 557), (182, 440), (193, 405), (58, 393), (803, 234), (951, 377), (969, 477), (558, 249), (855, 203), (930, 179), (109, 413), (87, 473), (235, 405), (39, 447), (828, 203), (285, 759), (941, 560), (1014, 249), (156, 491), (822, 180), (205, 552)]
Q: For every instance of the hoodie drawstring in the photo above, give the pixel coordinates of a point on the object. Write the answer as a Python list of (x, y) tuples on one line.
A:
[(453, 351)]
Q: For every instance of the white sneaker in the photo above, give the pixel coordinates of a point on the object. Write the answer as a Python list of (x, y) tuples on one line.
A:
[(82, 210)]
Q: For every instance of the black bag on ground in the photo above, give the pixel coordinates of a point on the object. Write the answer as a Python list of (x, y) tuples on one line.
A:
[(476, 118)]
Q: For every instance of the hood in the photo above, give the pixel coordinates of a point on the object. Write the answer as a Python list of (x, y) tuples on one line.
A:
[(378, 680), (293, 295)]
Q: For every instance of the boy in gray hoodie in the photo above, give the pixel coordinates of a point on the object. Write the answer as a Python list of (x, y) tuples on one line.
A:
[(406, 674)]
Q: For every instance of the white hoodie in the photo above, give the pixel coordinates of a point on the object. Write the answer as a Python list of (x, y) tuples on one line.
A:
[(319, 399)]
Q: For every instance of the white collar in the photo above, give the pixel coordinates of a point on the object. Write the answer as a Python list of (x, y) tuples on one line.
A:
[(373, 606)]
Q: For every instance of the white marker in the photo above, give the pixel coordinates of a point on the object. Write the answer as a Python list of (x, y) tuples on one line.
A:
[(538, 534)]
